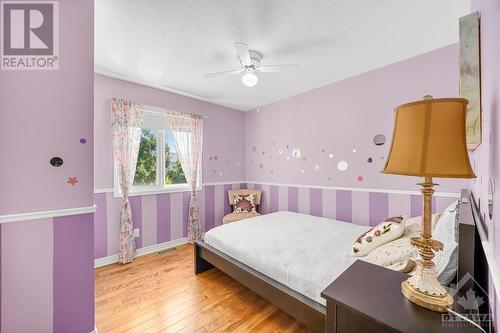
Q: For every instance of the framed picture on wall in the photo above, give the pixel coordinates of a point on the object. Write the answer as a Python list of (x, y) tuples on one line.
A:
[(470, 76)]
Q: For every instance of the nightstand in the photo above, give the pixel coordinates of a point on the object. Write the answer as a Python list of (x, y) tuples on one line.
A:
[(367, 298)]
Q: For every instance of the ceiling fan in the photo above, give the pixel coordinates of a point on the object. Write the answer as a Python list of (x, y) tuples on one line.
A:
[(250, 64)]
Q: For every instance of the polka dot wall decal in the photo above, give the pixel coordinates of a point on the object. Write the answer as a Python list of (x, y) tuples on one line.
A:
[(214, 171), (296, 153), (354, 150), (287, 146), (261, 166), (215, 158), (83, 141), (263, 152), (221, 173), (360, 178), (342, 165), (254, 148), (280, 151), (323, 150), (288, 157), (56, 161), (369, 159), (210, 158), (329, 178), (302, 171), (330, 155), (304, 159), (379, 139), (274, 143), (272, 171), (316, 167)]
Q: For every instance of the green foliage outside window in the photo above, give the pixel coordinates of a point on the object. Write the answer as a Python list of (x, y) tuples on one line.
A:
[(145, 173)]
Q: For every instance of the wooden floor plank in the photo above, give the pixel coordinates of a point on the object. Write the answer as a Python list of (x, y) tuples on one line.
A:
[(160, 293)]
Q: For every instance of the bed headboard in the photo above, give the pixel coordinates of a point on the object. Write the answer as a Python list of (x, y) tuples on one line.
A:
[(471, 257)]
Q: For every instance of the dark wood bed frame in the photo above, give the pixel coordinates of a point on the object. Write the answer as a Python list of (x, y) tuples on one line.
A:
[(471, 260)]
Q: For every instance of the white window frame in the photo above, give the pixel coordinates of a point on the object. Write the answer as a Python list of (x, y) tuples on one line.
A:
[(160, 186)]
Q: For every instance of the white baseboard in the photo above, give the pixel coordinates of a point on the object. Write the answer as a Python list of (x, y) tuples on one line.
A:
[(142, 251), (95, 330)]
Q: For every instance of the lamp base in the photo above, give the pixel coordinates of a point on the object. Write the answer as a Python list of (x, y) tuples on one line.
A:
[(435, 302), (423, 288)]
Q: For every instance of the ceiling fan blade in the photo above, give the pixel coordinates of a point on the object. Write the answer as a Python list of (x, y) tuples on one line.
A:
[(217, 74), (243, 54), (278, 68)]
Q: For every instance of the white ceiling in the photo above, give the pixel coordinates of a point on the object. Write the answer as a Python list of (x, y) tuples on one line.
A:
[(170, 44)]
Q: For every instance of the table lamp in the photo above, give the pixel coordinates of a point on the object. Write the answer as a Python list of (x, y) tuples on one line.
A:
[(429, 141)]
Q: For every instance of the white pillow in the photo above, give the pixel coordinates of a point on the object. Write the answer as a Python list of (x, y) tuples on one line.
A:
[(393, 253), (384, 232), (414, 224), (445, 231)]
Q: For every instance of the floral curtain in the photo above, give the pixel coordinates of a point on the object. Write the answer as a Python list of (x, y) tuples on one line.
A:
[(187, 130), (126, 132)]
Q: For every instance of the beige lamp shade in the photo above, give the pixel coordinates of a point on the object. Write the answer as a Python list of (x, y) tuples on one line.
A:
[(429, 140)]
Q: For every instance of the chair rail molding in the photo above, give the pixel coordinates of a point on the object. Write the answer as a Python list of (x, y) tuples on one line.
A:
[(47, 214)]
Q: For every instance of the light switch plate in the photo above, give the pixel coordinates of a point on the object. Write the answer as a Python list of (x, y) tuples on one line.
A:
[(137, 232)]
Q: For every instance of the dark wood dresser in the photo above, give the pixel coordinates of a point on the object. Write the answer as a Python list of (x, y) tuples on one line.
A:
[(367, 298)]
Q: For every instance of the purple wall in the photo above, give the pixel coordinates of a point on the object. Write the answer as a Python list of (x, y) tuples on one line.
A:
[(486, 157), (160, 218), (223, 130), (46, 273), (46, 113), (342, 117), (359, 207)]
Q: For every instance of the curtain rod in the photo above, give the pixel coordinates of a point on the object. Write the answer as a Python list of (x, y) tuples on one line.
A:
[(161, 111), (156, 110)]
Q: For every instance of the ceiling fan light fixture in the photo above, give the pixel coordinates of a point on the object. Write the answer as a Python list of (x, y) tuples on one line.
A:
[(249, 79)]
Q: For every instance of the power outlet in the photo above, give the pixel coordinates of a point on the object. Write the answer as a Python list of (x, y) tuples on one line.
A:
[(137, 232)]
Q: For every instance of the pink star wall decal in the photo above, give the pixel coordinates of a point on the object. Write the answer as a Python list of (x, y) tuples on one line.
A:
[(72, 180)]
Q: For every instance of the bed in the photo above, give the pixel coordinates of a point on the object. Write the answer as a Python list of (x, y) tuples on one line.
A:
[(290, 248), (289, 258)]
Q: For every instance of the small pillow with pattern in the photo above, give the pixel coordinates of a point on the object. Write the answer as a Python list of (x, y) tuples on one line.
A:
[(414, 224), (244, 203), (384, 232)]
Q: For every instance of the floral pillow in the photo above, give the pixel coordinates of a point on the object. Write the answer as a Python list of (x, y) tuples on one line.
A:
[(384, 232), (244, 203)]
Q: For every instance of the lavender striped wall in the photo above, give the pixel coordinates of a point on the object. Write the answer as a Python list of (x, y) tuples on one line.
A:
[(366, 208), (46, 278), (163, 217), (160, 217)]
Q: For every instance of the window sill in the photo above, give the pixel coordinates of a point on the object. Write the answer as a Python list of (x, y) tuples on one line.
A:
[(153, 191)]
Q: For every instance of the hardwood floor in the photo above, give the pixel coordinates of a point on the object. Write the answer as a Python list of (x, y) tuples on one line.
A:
[(160, 293)]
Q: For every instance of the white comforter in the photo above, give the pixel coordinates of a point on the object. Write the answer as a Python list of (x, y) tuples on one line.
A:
[(305, 253)]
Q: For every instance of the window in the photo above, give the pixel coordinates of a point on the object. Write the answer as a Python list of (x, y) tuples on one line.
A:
[(146, 169), (173, 171), (158, 167)]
